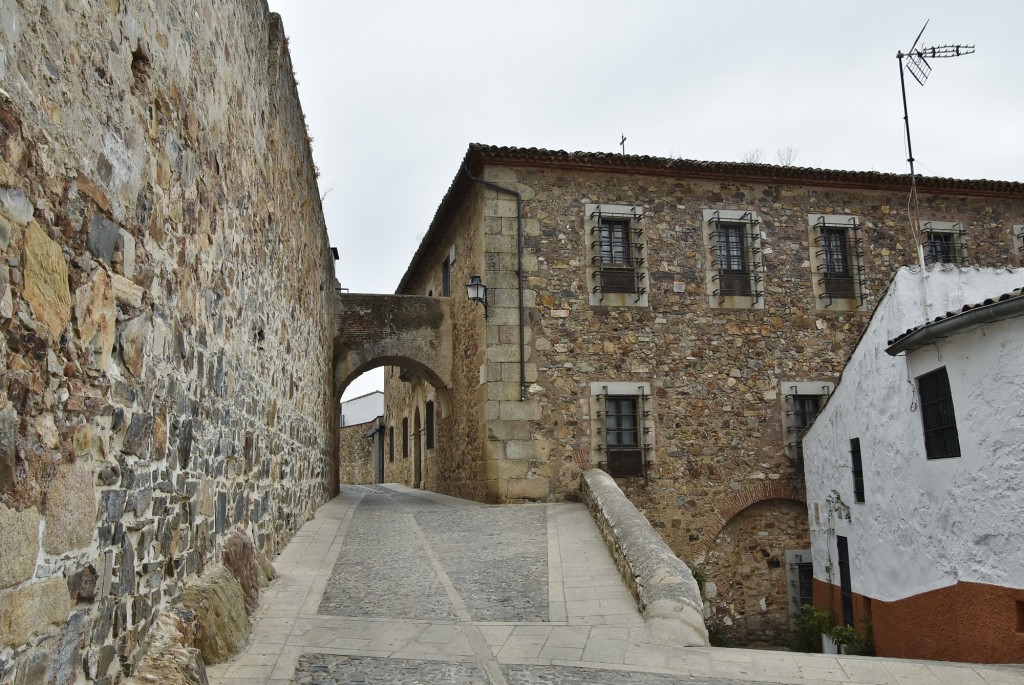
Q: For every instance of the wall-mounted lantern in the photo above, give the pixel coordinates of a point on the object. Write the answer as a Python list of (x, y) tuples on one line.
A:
[(476, 291)]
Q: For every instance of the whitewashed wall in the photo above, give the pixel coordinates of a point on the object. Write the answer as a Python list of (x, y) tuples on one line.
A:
[(362, 409), (925, 524)]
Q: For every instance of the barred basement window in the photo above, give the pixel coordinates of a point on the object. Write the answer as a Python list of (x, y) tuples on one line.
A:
[(799, 581), (801, 403), (430, 424), (858, 470), (941, 440), (839, 258), (616, 251), (943, 243), (734, 242), (622, 428)]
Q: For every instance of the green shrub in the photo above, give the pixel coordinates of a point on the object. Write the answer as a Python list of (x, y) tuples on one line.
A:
[(809, 627), (856, 642), (719, 635)]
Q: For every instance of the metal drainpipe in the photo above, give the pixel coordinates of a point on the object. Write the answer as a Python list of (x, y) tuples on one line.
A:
[(519, 274)]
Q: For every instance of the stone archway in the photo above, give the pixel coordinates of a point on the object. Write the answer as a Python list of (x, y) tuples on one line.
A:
[(412, 332)]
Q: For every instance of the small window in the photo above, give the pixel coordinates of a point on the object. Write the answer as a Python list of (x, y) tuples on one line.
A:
[(845, 583), (941, 440), (1018, 235), (800, 581), (617, 271), (405, 437), (858, 470), (801, 402), (735, 267), (446, 278), (943, 243), (838, 260), (391, 443), (429, 411), (622, 428)]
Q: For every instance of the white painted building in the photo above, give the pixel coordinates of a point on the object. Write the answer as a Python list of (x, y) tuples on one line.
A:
[(363, 408), (927, 540)]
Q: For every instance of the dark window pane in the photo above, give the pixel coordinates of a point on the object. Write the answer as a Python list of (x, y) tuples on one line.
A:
[(940, 434)]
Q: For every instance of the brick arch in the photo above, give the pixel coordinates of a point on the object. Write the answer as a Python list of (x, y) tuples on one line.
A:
[(740, 500), (393, 330)]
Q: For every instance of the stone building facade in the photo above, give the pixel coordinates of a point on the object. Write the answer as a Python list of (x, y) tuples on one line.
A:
[(677, 323), (166, 317)]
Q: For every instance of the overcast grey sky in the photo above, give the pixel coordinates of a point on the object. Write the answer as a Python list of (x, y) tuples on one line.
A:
[(394, 92)]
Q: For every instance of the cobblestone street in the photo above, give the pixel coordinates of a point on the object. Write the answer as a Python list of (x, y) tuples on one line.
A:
[(392, 585)]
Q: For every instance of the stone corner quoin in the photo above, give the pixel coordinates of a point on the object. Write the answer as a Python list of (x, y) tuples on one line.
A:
[(167, 303)]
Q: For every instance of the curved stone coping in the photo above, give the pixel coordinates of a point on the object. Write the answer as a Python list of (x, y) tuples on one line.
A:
[(665, 590)]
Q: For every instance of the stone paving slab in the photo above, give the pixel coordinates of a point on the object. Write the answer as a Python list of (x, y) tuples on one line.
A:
[(383, 586)]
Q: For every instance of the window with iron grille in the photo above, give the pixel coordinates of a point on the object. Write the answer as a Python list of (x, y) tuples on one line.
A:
[(429, 411), (941, 440), (858, 470), (735, 265), (622, 429), (617, 270), (801, 403), (405, 437), (1018, 234), (943, 243), (838, 259), (800, 580)]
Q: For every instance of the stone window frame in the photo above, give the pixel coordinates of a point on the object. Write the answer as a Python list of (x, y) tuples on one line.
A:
[(753, 254), (847, 291), (798, 562), (792, 430), (951, 248), (641, 391), (636, 261)]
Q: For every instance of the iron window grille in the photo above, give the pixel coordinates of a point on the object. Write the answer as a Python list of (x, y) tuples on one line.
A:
[(840, 260), (735, 256), (617, 251), (941, 440), (1020, 239), (624, 425), (801, 408), (858, 470), (801, 581), (945, 246)]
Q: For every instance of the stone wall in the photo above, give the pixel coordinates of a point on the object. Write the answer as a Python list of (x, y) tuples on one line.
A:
[(355, 453), (455, 466), (164, 317)]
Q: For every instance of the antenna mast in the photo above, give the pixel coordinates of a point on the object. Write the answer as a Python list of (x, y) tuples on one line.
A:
[(917, 64)]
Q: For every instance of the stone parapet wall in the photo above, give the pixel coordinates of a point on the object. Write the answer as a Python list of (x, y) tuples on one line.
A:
[(664, 587), (165, 317)]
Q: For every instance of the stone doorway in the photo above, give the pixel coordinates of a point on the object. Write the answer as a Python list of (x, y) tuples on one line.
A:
[(417, 452)]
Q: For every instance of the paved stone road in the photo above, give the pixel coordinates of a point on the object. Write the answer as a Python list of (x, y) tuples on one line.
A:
[(391, 585)]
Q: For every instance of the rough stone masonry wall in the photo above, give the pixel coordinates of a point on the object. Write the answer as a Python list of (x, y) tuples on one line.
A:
[(163, 317), (355, 454), (716, 375), (456, 466)]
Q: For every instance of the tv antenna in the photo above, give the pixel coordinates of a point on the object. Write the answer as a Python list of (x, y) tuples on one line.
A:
[(917, 64)]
